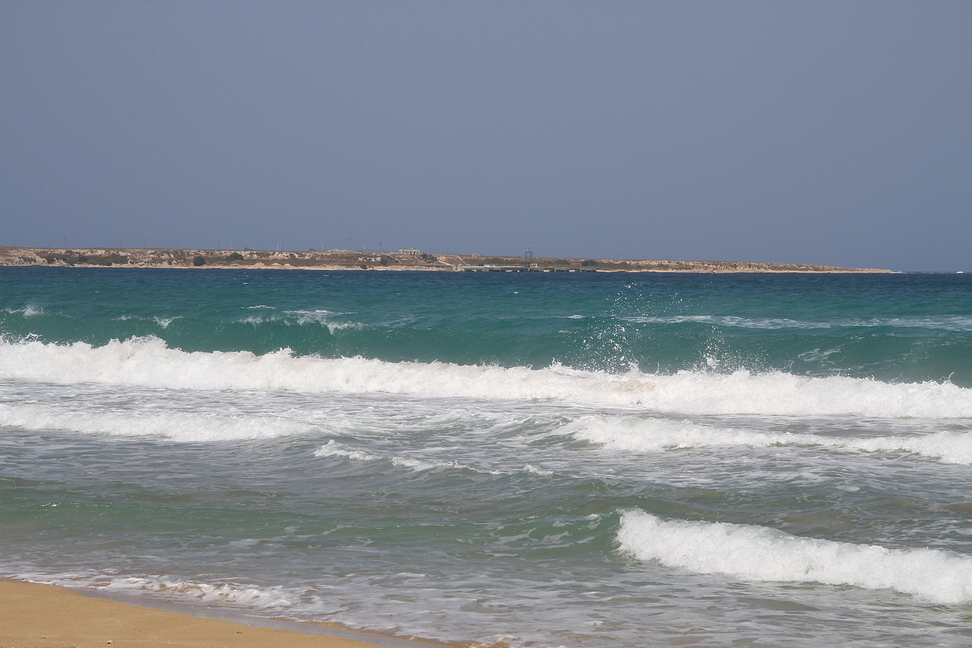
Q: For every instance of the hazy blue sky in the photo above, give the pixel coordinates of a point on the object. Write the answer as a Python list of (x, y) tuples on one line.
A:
[(818, 132)]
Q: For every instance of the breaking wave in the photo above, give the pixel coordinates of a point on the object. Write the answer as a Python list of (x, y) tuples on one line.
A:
[(757, 553), (177, 426), (630, 433), (149, 362)]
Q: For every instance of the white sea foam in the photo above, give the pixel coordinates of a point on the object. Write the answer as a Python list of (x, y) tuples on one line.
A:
[(238, 594), (321, 317), (149, 362), (318, 317), (631, 433), (261, 598), (334, 449), (944, 323), (29, 310), (732, 321), (177, 426), (536, 470), (164, 321), (950, 447), (763, 554)]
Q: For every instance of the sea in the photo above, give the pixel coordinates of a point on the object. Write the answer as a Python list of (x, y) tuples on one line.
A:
[(513, 459)]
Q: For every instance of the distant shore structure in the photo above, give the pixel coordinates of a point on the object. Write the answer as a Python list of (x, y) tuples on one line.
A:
[(404, 259), (530, 268)]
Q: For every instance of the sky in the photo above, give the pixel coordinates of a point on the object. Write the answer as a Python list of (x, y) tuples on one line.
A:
[(807, 132)]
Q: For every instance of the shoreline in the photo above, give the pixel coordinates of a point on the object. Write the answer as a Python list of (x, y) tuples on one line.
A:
[(34, 615), (341, 260)]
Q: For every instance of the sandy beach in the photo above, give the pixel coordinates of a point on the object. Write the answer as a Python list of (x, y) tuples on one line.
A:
[(43, 616)]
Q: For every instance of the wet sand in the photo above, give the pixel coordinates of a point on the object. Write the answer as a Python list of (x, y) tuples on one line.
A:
[(43, 616)]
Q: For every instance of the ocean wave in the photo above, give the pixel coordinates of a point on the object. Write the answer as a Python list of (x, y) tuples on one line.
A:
[(261, 598), (958, 323), (319, 317), (29, 310), (334, 449), (177, 426), (164, 321), (237, 594), (149, 362), (731, 321), (756, 553), (655, 434)]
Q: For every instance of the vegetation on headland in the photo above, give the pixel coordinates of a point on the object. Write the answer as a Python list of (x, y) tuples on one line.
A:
[(351, 260)]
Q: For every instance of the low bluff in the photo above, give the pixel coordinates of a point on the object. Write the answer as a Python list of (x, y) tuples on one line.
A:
[(350, 260)]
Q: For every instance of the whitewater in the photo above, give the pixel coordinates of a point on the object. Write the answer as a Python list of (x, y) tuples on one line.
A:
[(527, 460)]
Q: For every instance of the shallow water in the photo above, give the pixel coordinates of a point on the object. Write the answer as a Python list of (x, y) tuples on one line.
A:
[(578, 460)]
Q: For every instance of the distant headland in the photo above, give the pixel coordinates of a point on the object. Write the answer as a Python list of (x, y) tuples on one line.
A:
[(406, 259)]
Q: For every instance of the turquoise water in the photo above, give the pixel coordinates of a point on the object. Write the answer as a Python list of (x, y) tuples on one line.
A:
[(578, 460)]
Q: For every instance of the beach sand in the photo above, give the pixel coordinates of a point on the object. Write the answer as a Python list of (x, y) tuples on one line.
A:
[(43, 616)]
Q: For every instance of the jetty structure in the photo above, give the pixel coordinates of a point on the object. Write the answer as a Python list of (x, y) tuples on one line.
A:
[(404, 259)]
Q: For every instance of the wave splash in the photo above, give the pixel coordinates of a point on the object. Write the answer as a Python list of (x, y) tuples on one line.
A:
[(149, 362), (762, 554)]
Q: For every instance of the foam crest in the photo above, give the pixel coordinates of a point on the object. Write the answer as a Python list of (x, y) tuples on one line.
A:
[(537, 470), (763, 554), (320, 317), (637, 434), (946, 323), (959, 323), (781, 394), (950, 447), (177, 426), (334, 449), (164, 321), (29, 310), (149, 362), (629, 433), (732, 321), (249, 596)]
